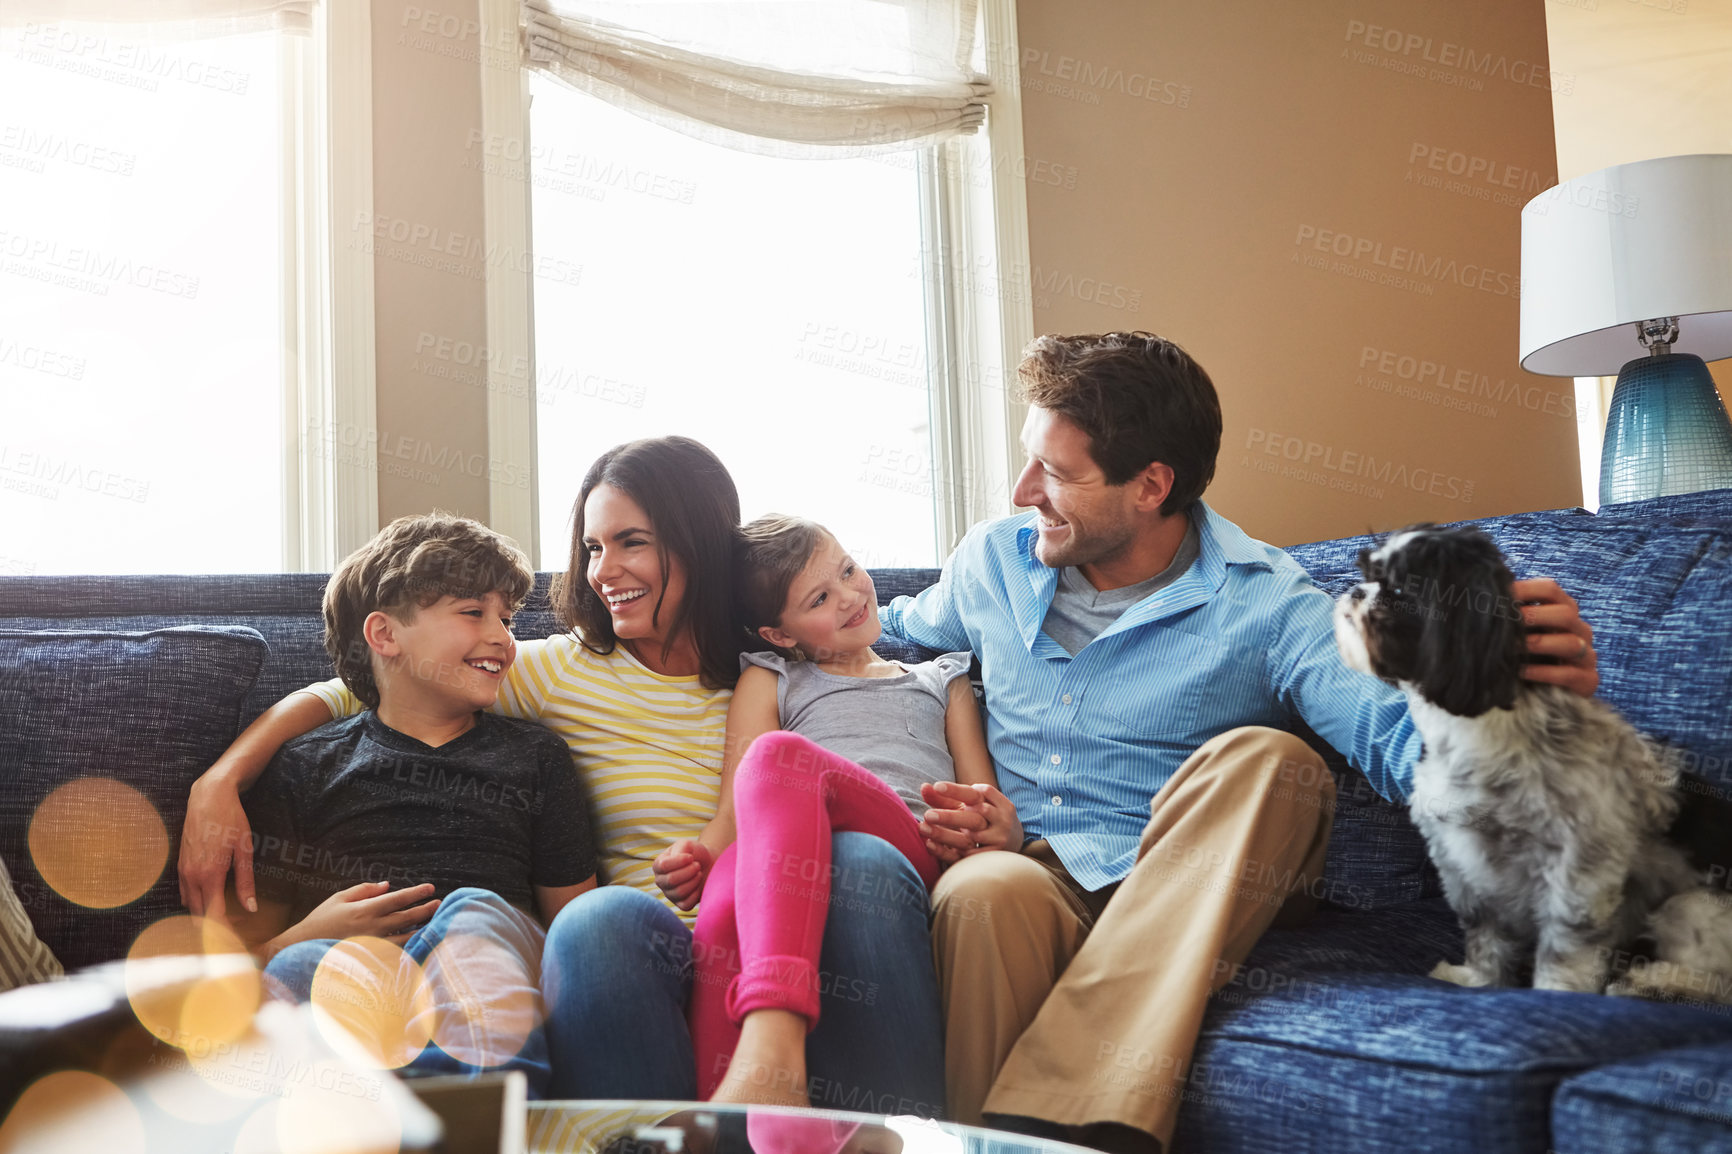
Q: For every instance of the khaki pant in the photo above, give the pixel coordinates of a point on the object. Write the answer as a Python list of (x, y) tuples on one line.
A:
[(1081, 1007)]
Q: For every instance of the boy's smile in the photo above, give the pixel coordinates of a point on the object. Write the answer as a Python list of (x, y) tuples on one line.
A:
[(447, 660)]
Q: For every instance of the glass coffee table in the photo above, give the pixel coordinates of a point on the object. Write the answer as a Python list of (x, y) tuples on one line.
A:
[(709, 1128)]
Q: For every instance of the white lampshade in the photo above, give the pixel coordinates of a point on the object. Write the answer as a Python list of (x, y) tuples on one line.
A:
[(1629, 243)]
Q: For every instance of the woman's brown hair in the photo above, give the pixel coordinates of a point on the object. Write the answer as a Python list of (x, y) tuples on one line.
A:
[(694, 509)]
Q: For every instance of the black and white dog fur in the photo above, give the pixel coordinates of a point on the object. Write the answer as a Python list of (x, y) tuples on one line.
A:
[(1544, 811)]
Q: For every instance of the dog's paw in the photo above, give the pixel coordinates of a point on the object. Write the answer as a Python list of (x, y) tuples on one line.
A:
[(1460, 975)]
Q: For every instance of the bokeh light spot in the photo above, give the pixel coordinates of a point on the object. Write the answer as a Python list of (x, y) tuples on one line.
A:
[(98, 842), (378, 998), (486, 1002), (258, 1134), (192, 984), (73, 1110)]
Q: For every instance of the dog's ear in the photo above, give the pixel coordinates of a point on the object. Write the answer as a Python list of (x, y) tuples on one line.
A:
[(1472, 639)]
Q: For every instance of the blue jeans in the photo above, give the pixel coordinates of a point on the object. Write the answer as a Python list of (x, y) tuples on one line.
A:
[(618, 971), (485, 997)]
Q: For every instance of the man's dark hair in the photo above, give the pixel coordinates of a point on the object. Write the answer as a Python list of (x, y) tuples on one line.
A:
[(1140, 398), (408, 565), (694, 510)]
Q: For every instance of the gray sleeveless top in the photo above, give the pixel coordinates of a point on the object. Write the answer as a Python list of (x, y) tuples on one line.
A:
[(893, 726)]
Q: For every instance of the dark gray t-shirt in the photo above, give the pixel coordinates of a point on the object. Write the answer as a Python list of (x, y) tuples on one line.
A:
[(1080, 613), (500, 808), (892, 726)]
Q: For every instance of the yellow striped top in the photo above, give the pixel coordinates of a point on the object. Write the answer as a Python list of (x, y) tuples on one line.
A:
[(648, 746)]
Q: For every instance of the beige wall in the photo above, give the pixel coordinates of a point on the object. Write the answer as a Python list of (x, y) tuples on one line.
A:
[(428, 258), (1206, 151), (1184, 162)]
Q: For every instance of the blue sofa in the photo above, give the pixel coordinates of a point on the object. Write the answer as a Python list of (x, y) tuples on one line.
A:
[(1330, 1038)]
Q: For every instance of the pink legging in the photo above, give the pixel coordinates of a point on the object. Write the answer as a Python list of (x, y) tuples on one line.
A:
[(761, 921)]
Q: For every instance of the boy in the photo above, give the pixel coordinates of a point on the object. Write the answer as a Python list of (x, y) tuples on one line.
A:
[(426, 821)]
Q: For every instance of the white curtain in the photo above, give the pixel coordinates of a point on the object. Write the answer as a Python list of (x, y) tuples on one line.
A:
[(163, 19), (778, 77)]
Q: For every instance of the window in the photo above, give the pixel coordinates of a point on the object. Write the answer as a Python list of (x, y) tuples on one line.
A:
[(177, 331), (140, 345), (773, 309), (837, 330)]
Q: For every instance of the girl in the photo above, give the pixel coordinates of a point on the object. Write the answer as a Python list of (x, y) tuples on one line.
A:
[(823, 735)]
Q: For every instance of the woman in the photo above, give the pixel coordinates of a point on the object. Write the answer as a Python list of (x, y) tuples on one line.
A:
[(639, 689)]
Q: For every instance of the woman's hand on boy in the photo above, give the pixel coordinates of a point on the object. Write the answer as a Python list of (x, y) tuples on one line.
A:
[(681, 869), (968, 819), (216, 835), (371, 909)]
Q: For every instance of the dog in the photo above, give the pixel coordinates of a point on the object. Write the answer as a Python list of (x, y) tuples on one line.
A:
[(1544, 811)]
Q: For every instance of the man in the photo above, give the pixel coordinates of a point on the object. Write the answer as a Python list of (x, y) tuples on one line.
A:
[(1134, 643)]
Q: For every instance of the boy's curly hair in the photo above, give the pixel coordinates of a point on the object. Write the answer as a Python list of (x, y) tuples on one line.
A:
[(410, 564)]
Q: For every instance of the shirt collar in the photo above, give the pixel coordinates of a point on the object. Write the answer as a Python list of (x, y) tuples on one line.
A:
[(1226, 541)]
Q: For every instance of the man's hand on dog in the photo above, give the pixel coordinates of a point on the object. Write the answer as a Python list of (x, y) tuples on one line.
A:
[(1556, 629)]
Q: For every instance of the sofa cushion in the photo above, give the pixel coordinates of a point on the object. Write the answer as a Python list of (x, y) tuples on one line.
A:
[(24, 959), (1331, 1038), (1705, 505), (127, 720), (1673, 1100)]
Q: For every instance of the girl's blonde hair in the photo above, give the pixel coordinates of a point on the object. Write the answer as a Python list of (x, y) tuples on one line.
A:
[(774, 550)]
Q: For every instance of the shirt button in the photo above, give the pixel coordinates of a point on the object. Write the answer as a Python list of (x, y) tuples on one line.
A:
[(1056, 759), (1065, 699), (1057, 800)]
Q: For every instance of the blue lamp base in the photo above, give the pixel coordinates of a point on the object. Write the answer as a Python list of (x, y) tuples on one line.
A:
[(1667, 431)]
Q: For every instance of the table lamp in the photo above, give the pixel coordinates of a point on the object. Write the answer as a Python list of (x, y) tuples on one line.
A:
[(1629, 269)]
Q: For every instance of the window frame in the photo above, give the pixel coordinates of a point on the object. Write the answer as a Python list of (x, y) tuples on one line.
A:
[(330, 498), (980, 301)]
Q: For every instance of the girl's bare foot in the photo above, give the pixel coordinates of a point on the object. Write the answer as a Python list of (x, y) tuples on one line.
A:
[(769, 1065)]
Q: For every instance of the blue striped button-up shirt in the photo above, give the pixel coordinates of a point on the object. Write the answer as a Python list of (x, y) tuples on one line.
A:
[(1082, 743)]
